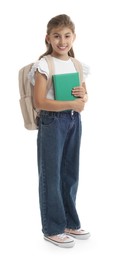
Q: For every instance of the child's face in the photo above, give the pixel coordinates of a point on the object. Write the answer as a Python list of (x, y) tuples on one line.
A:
[(61, 40)]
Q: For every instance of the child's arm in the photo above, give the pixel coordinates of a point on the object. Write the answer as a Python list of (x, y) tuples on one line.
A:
[(42, 103)]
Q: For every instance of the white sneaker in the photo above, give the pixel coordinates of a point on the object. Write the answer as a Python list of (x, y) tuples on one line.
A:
[(78, 233), (61, 240)]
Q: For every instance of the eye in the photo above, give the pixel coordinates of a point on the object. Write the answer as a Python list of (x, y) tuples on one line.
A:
[(56, 36), (67, 36)]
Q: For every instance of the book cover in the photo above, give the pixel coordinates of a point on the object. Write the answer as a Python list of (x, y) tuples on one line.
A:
[(63, 85)]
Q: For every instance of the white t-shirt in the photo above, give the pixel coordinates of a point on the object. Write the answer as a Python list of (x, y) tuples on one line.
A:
[(61, 67)]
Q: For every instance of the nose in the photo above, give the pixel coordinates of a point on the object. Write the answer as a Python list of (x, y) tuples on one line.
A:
[(62, 40)]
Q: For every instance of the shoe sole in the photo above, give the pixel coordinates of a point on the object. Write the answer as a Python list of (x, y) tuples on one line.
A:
[(79, 237), (60, 244)]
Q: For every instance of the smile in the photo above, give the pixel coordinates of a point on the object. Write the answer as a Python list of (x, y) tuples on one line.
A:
[(62, 47)]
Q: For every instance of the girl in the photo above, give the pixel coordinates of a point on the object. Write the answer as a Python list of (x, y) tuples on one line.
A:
[(58, 139)]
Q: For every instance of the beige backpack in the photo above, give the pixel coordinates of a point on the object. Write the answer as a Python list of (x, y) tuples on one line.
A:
[(29, 113)]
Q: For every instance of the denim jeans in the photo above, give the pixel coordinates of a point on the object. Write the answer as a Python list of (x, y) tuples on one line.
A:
[(58, 145)]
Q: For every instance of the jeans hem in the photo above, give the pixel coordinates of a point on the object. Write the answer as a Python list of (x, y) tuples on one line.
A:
[(54, 233), (71, 227)]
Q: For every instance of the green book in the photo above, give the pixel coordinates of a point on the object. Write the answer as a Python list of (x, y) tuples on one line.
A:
[(63, 85)]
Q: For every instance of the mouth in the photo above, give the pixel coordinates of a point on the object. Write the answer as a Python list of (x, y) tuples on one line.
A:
[(62, 48)]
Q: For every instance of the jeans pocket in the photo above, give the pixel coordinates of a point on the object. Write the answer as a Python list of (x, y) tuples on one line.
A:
[(47, 120)]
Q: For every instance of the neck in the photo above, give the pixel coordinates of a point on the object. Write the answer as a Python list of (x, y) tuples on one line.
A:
[(61, 57)]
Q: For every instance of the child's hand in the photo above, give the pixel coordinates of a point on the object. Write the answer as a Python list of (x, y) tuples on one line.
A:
[(79, 104), (78, 92)]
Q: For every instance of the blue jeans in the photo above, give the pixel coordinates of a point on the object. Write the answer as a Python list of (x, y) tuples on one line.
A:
[(58, 144)]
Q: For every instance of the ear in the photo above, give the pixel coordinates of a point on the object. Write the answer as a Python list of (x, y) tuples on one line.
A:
[(47, 39)]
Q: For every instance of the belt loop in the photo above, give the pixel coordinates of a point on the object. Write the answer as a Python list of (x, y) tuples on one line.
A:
[(72, 112)]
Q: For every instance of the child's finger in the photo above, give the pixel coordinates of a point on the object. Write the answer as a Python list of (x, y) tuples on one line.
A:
[(75, 90)]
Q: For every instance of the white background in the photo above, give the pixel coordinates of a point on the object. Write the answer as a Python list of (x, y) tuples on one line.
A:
[(22, 33)]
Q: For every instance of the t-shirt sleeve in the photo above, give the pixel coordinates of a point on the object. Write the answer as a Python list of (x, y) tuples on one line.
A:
[(86, 70), (40, 65)]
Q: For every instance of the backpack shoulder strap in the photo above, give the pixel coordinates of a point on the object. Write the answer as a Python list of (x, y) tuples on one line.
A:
[(78, 67), (50, 63)]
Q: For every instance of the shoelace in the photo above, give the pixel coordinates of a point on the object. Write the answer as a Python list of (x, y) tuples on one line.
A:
[(62, 236)]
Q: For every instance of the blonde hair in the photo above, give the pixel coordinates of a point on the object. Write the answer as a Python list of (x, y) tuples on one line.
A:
[(61, 20)]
